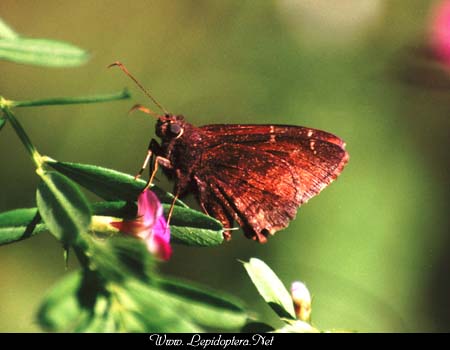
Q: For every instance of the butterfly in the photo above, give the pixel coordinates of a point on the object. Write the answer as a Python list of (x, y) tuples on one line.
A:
[(255, 175)]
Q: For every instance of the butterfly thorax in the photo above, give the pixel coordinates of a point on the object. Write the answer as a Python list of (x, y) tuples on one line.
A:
[(181, 145)]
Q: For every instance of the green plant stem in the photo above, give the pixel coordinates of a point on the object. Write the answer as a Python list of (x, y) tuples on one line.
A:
[(124, 94), (81, 249), (34, 154)]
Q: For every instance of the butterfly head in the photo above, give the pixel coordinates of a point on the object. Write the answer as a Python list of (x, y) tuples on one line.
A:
[(170, 126)]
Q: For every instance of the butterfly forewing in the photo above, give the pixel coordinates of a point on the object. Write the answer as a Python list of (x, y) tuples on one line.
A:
[(239, 133)]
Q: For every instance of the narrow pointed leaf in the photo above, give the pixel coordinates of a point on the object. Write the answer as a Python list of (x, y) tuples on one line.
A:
[(19, 224), (192, 218), (62, 207), (2, 122), (150, 301), (42, 52), (270, 288), (107, 183), (55, 101), (119, 209), (194, 228), (6, 31)]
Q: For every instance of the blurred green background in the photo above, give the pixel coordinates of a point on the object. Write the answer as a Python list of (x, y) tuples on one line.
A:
[(373, 248)]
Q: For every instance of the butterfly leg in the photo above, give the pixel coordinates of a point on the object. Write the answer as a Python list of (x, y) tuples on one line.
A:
[(158, 160), (152, 148), (180, 187), (144, 164), (169, 215)]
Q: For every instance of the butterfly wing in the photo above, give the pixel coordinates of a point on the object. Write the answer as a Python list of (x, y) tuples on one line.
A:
[(243, 133), (258, 175)]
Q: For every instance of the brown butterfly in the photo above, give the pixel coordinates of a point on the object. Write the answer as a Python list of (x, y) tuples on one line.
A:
[(255, 175)]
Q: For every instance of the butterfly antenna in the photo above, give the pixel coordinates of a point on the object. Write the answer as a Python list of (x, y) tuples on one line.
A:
[(143, 109), (125, 70)]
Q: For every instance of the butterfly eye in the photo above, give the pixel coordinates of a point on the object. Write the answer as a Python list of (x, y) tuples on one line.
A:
[(175, 129)]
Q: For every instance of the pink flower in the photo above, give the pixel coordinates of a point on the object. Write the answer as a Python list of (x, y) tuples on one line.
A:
[(439, 35), (149, 225)]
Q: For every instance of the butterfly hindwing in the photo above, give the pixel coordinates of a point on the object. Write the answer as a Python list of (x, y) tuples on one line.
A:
[(238, 182), (258, 175)]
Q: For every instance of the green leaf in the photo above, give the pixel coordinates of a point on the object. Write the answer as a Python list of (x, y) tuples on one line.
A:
[(157, 310), (205, 307), (42, 52), (107, 183), (2, 122), (71, 302), (195, 304), (62, 207), (60, 308), (6, 31), (191, 227), (119, 209), (270, 288), (19, 224)]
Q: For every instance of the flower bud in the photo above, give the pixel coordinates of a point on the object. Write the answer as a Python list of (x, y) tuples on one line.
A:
[(302, 300)]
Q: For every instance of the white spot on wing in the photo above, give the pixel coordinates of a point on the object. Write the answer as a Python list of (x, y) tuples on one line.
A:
[(310, 133), (312, 146)]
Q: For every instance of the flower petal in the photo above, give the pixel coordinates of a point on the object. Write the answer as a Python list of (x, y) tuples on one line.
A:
[(440, 31), (149, 208), (161, 229), (159, 247), (149, 225)]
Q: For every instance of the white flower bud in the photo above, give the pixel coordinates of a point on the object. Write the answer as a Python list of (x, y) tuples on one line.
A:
[(302, 300)]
